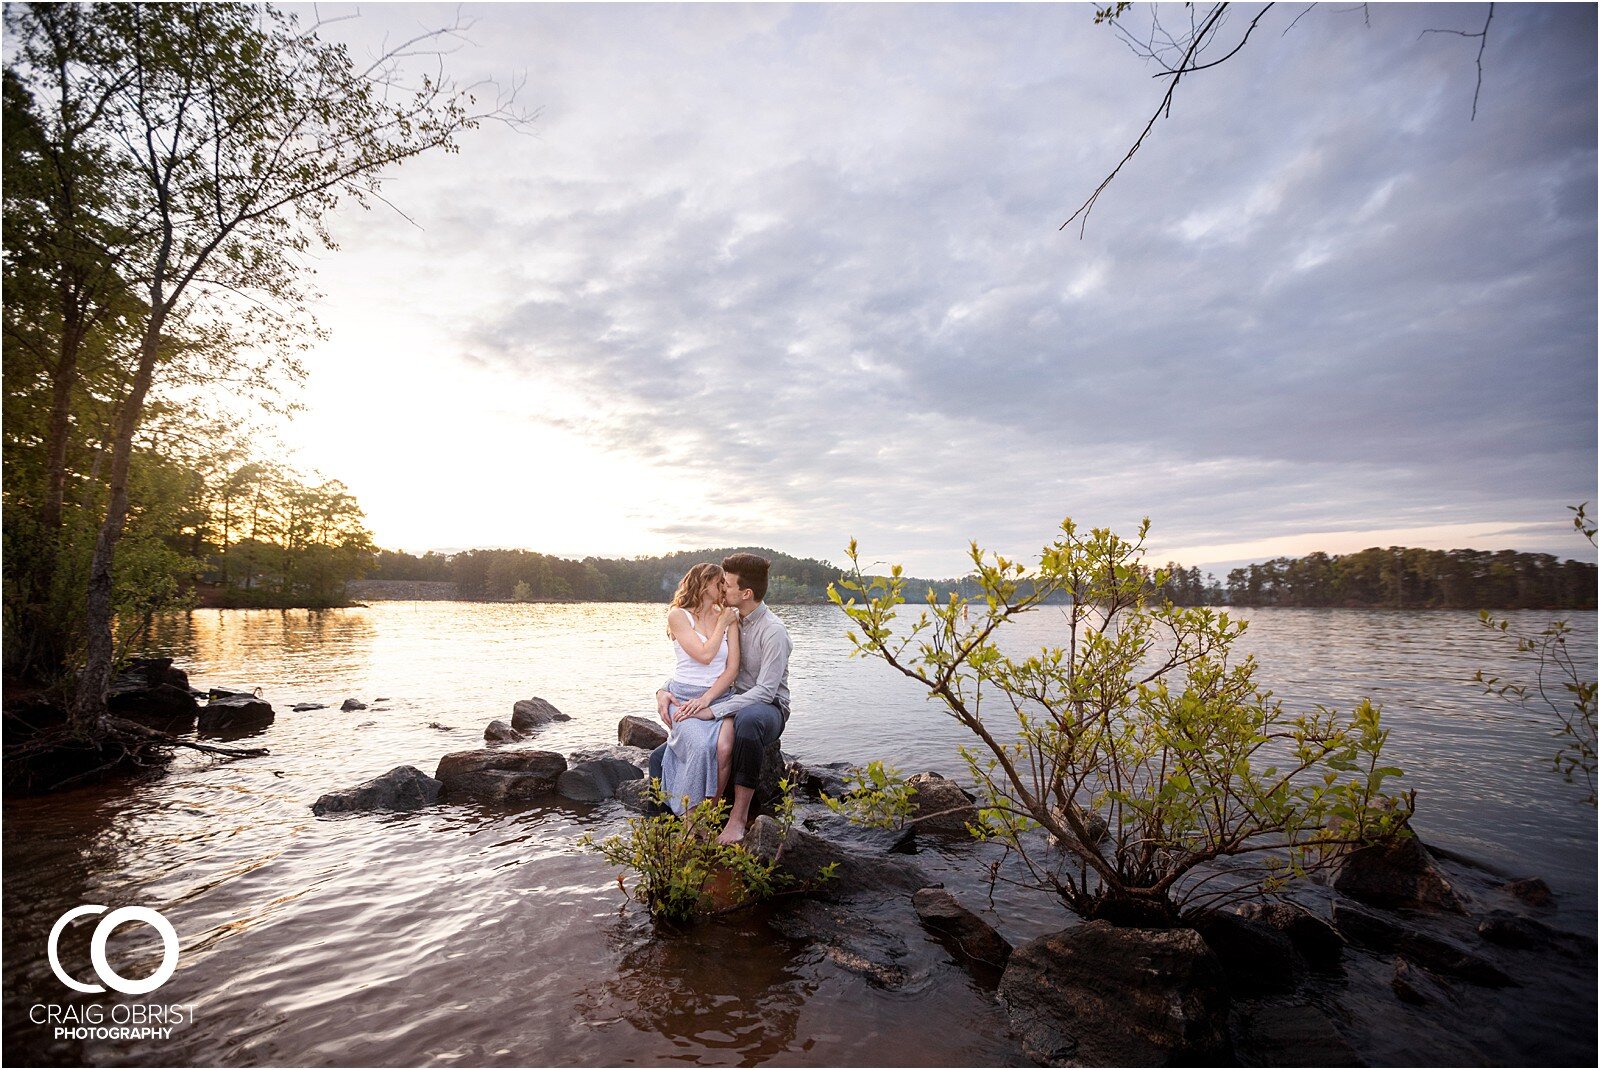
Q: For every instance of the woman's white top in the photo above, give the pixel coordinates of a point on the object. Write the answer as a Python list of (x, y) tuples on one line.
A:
[(691, 672)]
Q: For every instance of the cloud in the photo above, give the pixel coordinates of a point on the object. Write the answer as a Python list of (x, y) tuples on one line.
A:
[(807, 258)]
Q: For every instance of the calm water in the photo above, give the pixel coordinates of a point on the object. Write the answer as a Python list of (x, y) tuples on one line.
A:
[(466, 935)]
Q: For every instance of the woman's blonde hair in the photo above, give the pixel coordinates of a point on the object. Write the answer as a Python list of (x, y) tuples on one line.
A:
[(692, 588)]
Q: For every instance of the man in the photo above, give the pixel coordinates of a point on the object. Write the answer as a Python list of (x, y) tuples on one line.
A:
[(759, 702)]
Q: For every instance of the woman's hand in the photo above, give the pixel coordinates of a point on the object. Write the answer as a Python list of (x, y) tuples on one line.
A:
[(729, 616), (692, 708)]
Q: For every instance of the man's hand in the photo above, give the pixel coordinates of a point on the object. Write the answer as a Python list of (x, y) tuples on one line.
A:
[(663, 703)]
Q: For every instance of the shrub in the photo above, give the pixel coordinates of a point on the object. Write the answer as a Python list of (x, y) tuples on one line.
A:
[(1141, 719)]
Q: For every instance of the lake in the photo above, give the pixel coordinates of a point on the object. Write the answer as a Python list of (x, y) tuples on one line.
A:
[(465, 934)]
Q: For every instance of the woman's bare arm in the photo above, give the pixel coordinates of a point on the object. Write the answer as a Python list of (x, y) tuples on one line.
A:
[(681, 624), (700, 707)]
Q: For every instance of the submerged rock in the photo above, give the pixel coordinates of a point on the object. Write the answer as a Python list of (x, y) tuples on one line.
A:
[(849, 939), (402, 788), (1103, 995), (641, 732), (501, 775), (815, 781), (305, 707), (500, 732), (972, 939), (1513, 930), (1532, 891), (1439, 953), (596, 780), (529, 713), (1415, 985), (1301, 1035)]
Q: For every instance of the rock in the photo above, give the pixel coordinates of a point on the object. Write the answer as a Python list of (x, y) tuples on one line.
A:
[(1093, 823), (970, 937), (402, 788), (229, 692), (641, 732), (1397, 873), (1102, 995), (1436, 952), (163, 706), (597, 780), (303, 707), (143, 674), (1417, 986), (1257, 958), (501, 775), (236, 713), (1532, 891), (635, 756), (940, 805), (440, 727), (1513, 930), (529, 713), (772, 769), (500, 732), (803, 856), (1301, 1035), (849, 940), (634, 795), (1318, 942), (815, 781), (352, 704), (858, 838)]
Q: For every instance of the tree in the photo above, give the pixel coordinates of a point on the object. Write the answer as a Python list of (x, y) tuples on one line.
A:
[(1138, 744), (233, 132)]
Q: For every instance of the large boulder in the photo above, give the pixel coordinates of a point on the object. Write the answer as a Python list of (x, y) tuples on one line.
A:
[(768, 791), (501, 775), (805, 856), (500, 732), (635, 795), (1318, 942), (968, 936), (860, 838), (597, 780), (146, 673), (1398, 872), (163, 706), (815, 781), (234, 714), (635, 756), (404, 787), (1104, 995), (529, 713), (940, 805), (1439, 953), (641, 732), (1257, 958), (1094, 825)]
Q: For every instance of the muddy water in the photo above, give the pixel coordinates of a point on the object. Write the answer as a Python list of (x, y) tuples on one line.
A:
[(469, 935)]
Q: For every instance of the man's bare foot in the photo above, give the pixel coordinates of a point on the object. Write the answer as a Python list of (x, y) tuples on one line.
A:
[(732, 834)]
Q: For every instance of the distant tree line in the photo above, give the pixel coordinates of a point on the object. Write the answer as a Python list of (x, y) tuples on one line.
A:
[(1396, 577)]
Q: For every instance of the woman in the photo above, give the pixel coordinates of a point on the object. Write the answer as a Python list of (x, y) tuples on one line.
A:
[(706, 638)]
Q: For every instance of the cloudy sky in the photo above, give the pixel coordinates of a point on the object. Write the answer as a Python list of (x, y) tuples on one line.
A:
[(787, 275)]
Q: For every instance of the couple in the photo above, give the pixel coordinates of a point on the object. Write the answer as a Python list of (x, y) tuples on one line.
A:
[(728, 698)]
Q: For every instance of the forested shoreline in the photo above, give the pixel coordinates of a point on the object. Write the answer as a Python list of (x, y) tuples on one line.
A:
[(1376, 578)]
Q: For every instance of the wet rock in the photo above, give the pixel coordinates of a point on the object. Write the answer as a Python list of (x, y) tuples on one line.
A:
[(804, 856), (350, 704), (236, 713), (1415, 985), (972, 939), (1318, 942), (1513, 930), (940, 805), (1256, 958), (635, 795), (529, 713), (501, 775), (500, 732), (641, 732), (635, 756), (597, 780), (1532, 891), (440, 727), (857, 838), (1300, 1035), (142, 674), (401, 788), (304, 707), (1439, 953), (767, 790), (1396, 873), (815, 781), (163, 706), (1103, 995), (848, 939)]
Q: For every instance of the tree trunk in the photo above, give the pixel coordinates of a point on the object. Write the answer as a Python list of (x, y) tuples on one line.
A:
[(88, 714)]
